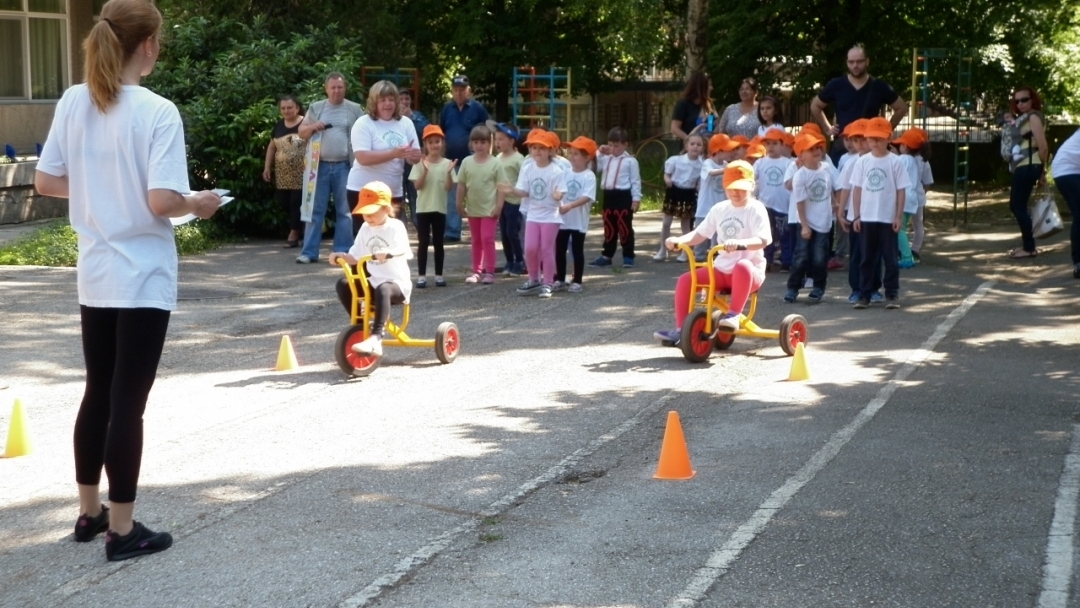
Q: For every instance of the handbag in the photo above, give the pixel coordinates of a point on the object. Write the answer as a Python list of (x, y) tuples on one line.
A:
[(1045, 219)]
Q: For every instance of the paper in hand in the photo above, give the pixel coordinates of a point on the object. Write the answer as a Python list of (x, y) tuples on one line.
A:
[(225, 200)]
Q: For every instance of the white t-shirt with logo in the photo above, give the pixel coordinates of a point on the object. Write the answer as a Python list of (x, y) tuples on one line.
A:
[(127, 255), (726, 221), (769, 175), (793, 212), (392, 238), (845, 184), (369, 135), (814, 188), (541, 184), (578, 185), (711, 188), (879, 178)]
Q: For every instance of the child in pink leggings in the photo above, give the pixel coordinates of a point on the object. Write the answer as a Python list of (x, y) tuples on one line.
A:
[(741, 225), (543, 182), (480, 200)]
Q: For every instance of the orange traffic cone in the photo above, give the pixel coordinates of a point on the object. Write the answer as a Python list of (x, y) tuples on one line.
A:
[(800, 370), (18, 438), (674, 459), (286, 358)]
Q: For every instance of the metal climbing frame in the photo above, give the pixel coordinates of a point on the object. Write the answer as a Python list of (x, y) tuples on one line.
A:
[(539, 99), (962, 111), (403, 78)]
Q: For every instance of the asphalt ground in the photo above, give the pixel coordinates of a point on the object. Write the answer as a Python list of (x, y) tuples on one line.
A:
[(922, 465)]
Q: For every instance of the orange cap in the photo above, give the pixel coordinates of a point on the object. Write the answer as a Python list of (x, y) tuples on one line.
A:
[(433, 131), (553, 140), (539, 137), (741, 139), (373, 196), (855, 128), (721, 142), (755, 151), (584, 144), (807, 141), (811, 127), (878, 127), (789, 139), (773, 135), (739, 175), (912, 138)]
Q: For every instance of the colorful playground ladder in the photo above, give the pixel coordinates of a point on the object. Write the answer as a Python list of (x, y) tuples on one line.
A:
[(541, 99)]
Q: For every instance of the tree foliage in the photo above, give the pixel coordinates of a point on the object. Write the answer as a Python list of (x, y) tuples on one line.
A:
[(224, 76), (804, 43)]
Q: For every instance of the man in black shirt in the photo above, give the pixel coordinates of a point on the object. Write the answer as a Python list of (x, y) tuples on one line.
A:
[(853, 96)]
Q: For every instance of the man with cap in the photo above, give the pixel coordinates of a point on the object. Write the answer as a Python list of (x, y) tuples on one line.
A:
[(457, 119), (855, 95)]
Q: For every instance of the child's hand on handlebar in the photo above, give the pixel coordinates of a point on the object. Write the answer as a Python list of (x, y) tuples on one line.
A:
[(672, 243), (733, 245), (334, 257)]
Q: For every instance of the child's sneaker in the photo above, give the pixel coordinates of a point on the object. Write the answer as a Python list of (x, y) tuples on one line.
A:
[(372, 347), (600, 262), (86, 527), (854, 297), (668, 337), (791, 295), (816, 294), (627, 262), (440, 282), (421, 282), (861, 303), (905, 264), (661, 256), (876, 297), (892, 303), (558, 286), (140, 541), (472, 279), (488, 279), (575, 288), (545, 291), (682, 257), (728, 322), (529, 288), (835, 264)]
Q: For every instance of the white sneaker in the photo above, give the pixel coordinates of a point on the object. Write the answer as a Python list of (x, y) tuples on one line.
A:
[(682, 257), (574, 288), (558, 286), (372, 346), (545, 291), (661, 256)]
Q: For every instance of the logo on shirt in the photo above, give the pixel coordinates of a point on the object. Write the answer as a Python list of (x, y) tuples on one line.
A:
[(377, 244), (730, 228), (538, 189), (573, 190), (393, 139), (818, 190), (875, 180), (774, 177)]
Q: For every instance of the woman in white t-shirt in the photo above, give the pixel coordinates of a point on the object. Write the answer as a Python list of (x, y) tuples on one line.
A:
[(382, 141), (1066, 173), (120, 202)]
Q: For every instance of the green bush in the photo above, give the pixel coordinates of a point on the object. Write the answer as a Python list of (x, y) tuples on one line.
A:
[(224, 76), (56, 244)]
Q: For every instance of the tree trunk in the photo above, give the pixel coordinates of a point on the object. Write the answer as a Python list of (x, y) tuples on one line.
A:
[(697, 28)]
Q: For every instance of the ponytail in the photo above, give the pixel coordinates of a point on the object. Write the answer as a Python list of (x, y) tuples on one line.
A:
[(113, 40)]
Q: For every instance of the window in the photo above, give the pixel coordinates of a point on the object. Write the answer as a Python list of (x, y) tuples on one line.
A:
[(33, 49)]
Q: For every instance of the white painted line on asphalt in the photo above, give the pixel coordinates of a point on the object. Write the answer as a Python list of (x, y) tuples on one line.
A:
[(1057, 571), (410, 564), (722, 559)]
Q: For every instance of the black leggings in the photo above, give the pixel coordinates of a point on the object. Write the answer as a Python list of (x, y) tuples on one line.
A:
[(430, 227), (382, 298), (290, 202), (576, 240), (122, 348)]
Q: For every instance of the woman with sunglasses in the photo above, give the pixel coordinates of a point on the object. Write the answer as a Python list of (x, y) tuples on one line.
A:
[(1030, 158)]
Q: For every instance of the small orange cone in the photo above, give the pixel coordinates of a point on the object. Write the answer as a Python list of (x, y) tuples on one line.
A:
[(674, 459), (800, 370), (286, 358), (18, 439)]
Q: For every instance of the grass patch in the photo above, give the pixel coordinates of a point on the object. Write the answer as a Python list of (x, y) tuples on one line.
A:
[(490, 538), (56, 244)]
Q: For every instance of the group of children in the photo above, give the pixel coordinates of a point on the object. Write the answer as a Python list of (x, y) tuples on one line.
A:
[(870, 197)]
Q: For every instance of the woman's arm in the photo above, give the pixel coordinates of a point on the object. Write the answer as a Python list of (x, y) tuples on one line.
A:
[(268, 162), (676, 130), (722, 124)]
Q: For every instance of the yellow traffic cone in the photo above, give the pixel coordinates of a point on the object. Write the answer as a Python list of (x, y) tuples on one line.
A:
[(800, 370), (18, 439), (286, 358), (674, 459)]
